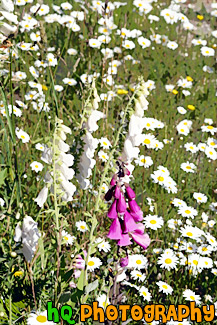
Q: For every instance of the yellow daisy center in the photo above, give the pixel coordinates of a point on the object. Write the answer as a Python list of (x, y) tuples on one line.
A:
[(138, 262), (41, 319), (168, 261)]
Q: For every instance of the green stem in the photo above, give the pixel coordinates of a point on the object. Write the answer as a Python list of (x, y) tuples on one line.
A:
[(56, 208), (10, 310)]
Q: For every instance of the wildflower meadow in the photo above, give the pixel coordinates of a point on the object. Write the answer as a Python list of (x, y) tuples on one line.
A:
[(108, 151)]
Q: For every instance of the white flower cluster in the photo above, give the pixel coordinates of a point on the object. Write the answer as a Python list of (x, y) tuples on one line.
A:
[(29, 234), (87, 162), (162, 177), (62, 163), (136, 125), (6, 12)]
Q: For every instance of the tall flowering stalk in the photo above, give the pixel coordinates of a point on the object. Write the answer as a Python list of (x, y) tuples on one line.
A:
[(107, 165), (58, 180)]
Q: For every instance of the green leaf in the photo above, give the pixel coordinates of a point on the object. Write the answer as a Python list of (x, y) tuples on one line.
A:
[(76, 295), (91, 286), (3, 175), (65, 297), (68, 275), (80, 284)]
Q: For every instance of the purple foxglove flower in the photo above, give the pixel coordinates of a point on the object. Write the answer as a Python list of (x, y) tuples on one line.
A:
[(138, 216), (134, 206), (109, 194), (115, 231), (129, 223), (141, 239), (130, 193), (117, 192), (124, 240), (77, 273), (112, 212), (121, 205), (113, 180), (124, 261), (140, 228), (127, 172), (79, 262)]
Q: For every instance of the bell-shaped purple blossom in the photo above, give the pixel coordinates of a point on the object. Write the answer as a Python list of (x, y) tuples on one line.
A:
[(134, 206), (141, 239), (138, 216), (135, 211), (129, 223), (117, 192), (124, 240), (121, 205), (115, 231), (112, 212), (113, 180), (130, 193)]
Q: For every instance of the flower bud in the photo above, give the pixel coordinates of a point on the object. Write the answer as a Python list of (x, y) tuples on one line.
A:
[(124, 261)]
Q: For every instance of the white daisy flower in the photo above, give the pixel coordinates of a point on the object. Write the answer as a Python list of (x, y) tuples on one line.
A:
[(103, 155), (209, 128), (103, 301), (153, 221), (22, 135), (168, 260), (38, 318), (105, 143), (69, 81), (36, 166), (143, 291), (191, 232), (137, 261), (137, 275), (188, 167), (187, 212), (103, 245), (67, 238), (144, 161), (190, 295), (207, 51), (81, 225), (39, 146), (164, 287), (201, 198), (93, 263)]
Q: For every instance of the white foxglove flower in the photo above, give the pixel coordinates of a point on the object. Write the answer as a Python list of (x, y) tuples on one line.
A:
[(94, 117), (42, 197), (29, 235)]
